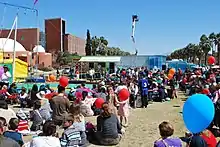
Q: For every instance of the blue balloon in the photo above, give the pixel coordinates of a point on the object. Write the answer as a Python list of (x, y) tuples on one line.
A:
[(198, 113)]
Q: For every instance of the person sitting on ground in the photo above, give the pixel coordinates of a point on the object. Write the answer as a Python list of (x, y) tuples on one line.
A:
[(4, 141), (108, 127), (48, 138), (196, 141), (75, 110), (74, 134), (12, 89), (6, 112), (71, 94), (60, 106), (45, 110), (101, 93), (86, 105), (12, 131), (33, 96), (23, 97), (36, 117), (209, 138), (166, 131), (4, 91)]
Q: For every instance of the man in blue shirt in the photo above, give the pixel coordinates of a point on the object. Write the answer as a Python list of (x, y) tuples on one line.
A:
[(143, 85)]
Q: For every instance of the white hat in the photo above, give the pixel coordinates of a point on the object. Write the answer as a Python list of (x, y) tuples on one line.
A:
[(40, 95), (73, 90)]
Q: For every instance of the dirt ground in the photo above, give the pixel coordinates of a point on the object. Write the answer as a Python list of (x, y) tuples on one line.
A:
[(143, 123)]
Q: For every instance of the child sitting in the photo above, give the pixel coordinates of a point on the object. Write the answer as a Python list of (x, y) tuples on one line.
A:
[(23, 97), (166, 131), (36, 117), (74, 134), (12, 132)]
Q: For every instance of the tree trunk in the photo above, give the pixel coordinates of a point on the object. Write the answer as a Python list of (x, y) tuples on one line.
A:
[(193, 59), (199, 61), (218, 48), (206, 54)]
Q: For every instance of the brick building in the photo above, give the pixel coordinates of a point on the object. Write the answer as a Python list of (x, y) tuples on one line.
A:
[(74, 44), (28, 37), (54, 40), (58, 40), (54, 34)]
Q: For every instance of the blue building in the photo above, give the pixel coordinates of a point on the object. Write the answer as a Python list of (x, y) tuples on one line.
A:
[(149, 61)]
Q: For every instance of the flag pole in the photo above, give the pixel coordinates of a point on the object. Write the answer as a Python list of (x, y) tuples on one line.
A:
[(14, 51)]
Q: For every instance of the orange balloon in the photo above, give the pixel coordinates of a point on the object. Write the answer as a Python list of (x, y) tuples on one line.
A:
[(172, 71), (52, 78), (170, 76)]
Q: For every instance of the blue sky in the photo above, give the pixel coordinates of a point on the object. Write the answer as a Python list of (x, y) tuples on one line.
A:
[(164, 25)]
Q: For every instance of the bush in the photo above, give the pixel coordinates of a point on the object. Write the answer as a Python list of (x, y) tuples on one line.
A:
[(46, 69)]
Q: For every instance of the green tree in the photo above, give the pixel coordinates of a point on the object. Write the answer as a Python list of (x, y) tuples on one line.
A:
[(212, 39), (217, 44), (100, 47), (95, 45), (64, 58), (88, 48), (103, 41), (205, 46)]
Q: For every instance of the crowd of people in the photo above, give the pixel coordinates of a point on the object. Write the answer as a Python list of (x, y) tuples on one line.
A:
[(68, 110)]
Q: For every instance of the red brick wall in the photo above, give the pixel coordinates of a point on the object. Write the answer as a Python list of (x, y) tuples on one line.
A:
[(53, 35), (45, 59), (28, 37), (74, 44)]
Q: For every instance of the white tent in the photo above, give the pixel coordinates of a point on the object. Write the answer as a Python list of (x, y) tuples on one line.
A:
[(98, 59)]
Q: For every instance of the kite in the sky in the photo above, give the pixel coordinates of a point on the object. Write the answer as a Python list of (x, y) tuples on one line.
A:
[(134, 20)]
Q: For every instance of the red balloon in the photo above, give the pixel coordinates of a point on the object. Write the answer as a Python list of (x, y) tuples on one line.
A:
[(211, 60), (64, 81), (123, 94), (123, 72), (205, 91), (99, 102)]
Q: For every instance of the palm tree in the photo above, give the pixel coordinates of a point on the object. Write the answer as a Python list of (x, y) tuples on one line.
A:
[(217, 44), (205, 46), (199, 53), (212, 39)]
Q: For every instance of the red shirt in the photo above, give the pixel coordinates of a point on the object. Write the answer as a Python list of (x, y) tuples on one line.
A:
[(210, 140)]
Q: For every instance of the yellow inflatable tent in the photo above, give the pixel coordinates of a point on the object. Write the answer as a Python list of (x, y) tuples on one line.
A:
[(21, 69)]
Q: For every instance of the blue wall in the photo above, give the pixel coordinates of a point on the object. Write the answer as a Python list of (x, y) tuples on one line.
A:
[(177, 64), (149, 61)]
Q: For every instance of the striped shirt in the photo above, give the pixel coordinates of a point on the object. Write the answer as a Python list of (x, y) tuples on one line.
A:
[(71, 137)]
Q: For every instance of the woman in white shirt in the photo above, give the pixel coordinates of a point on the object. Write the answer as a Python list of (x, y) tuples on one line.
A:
[(86, 105), (5, 76), (47, 138)]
